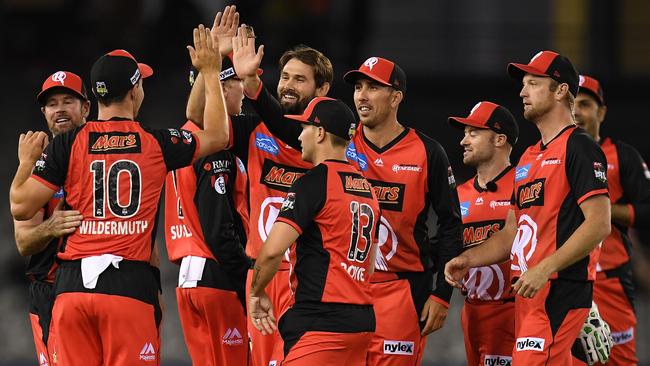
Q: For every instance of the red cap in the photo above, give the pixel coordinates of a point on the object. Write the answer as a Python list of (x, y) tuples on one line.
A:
[(592, 86), (550, 64), (380, 70), (488, 115), (64, 80)]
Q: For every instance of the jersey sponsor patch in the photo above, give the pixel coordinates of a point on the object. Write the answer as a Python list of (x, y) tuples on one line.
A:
[(464, 208), (289, 202), (521, 172), (148, 353), (390, 195), (600, 172), (529, 344), (355, 184), (477, 232), (450, 177), (232, 337), (59, 194), (646, 172), (531, 194), (359, 158), (398, 347), (499, 203), (551, 161), (266, 143), (279, 176), (114, 143), (624, 336), (497, 360), (398, 168)]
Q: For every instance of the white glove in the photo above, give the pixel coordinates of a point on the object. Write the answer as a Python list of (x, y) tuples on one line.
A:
[(595, 337)]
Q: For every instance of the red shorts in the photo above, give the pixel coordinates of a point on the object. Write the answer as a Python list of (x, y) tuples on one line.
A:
[(326, 348), (616, 309), (268, 349), (547, 325), (489, 332), (214, 326), (101, 329), (397, 340)]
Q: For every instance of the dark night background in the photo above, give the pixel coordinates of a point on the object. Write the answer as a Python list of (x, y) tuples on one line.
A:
[(454, 54)]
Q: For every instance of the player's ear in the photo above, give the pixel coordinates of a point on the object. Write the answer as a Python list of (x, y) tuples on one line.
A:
[(43, 110), (322, 90), (85, 108), (396, 98)]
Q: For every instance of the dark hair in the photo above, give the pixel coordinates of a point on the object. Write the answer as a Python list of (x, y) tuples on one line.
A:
[(112, 99), (338, 141), (323, 70)]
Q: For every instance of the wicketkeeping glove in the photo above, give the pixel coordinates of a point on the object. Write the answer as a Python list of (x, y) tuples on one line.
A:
[(596, 337)]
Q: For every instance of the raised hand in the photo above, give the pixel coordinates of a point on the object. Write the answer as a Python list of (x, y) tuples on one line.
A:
[(205, 54), (31, 146), (245, 59), (225, 28)]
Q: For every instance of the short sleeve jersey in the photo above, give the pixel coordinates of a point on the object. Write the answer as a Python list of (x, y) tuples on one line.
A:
[(113, 173), (42, 265), (410, 176), (272, 167), (628, 180), (484, 213), (201, 209), (334, 209), (551, 181)]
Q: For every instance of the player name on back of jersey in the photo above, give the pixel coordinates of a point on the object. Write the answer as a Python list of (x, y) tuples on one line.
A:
[(126, 227), (114, 143)]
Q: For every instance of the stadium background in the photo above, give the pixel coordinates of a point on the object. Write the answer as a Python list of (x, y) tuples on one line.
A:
[(454, 54)]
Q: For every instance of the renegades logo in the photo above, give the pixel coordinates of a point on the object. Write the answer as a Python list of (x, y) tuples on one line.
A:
[(278, 176), (531, 194), (114, 143), (476, 232), (355, 184), (390, 195)]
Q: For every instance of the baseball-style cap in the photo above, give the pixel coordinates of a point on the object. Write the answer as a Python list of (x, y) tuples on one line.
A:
[(228, 69), (63, 81), (550, 64), (592, 86), (380, 70), (115, 73), (488, 115), (331, 114)]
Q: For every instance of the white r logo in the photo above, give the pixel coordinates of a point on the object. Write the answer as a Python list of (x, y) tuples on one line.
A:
[(371, 62), (386, 236), (524, 244), (59, 77)]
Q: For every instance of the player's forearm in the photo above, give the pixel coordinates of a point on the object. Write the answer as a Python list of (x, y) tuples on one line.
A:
[(265, 268), (32, 240), (621, 214), (21, 209), (252, 86), (196, 101), (494, 250), (215, 117), (585, 239)]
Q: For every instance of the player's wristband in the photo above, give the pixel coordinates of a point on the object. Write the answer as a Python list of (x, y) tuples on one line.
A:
[(156, 275)]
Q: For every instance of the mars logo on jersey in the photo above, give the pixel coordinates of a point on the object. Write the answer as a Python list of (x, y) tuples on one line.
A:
[(114, 143), (359, 158), (355, 184), (477, 232), (524, 244), (390, 195), (279, 176), (266, 143), (531, 194)]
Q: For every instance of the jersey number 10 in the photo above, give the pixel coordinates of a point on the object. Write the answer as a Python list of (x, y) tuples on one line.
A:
[(104, 183)]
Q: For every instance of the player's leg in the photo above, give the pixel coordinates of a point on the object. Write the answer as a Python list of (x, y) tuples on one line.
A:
[(73, 318), (489, 330), (327, 348), (397, 340), (40, 315)]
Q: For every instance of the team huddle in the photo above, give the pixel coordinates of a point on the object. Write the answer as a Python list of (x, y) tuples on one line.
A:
[(303, 233)]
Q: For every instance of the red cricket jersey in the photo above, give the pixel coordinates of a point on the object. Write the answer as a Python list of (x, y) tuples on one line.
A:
[(551, 181), (113, 172), (484, 213), (334, 209)]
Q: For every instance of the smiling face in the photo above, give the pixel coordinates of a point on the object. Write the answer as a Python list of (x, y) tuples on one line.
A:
[(478, 145), (64, 112), (373, 101), (297, 86)]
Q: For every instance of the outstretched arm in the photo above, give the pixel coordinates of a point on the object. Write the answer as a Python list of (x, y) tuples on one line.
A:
[(32, 236)]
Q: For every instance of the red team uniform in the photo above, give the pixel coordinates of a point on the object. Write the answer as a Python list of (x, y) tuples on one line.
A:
[(410, 175), (488, 313), (206, 235), (273, 166), (106, 305), (551, 180), (331, 317)]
